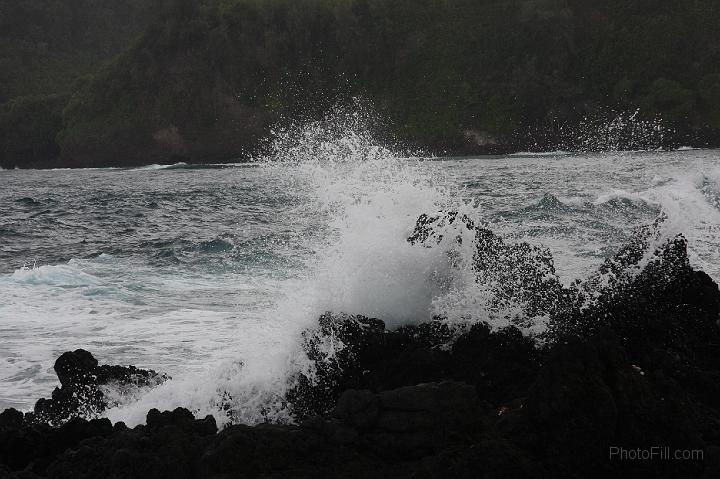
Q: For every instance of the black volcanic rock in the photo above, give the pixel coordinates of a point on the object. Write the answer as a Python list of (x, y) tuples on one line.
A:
[(409, 422), (11, 419), (353, 339), (75, 367), (638, 366), (82, 381), (36, 445), (518, 274), (169, 446), (499, 364)]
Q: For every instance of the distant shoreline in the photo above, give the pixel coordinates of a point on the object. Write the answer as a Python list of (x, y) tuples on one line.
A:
[(236, 162)]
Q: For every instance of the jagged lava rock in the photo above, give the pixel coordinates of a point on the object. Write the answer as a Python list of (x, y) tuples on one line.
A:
[(500, 364), (82, 380), (632, 360)]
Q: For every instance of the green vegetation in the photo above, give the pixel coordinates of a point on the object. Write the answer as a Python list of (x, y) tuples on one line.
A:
[(206, 79), (46, 48), (28, 126)]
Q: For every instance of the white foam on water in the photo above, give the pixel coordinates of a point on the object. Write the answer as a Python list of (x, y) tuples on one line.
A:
[(540, 154), (618, 194), (690, 202), (159, 167), (66, 276), (122, 312)]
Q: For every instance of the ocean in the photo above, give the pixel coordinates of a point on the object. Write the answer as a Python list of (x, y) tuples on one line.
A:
[(211, 273)]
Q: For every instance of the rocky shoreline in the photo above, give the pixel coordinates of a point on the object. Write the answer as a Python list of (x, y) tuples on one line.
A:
[(637, 369)]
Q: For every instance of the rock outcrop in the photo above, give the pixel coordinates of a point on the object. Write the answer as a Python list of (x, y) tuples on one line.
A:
[(82, 382), (631, 361)]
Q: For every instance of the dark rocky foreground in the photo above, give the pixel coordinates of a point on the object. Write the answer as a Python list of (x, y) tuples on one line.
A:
[(630, 360)]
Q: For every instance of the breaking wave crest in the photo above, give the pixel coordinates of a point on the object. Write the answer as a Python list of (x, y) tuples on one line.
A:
[(393, 239), (363, 201), (65, 276)]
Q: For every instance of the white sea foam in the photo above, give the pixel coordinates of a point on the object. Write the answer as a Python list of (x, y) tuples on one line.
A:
[(618, 194), (160, 167), (541, 154), (66, 276), (689, 202)]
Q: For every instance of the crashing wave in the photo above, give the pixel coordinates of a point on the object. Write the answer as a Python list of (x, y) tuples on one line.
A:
[(520, 281), (517, 278), (642, 284), (550, 202), (389, 239), (710, 188)]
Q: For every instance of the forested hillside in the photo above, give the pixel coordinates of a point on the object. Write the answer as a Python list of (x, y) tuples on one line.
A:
[(48, 49), (206, 79), (45, 45)]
